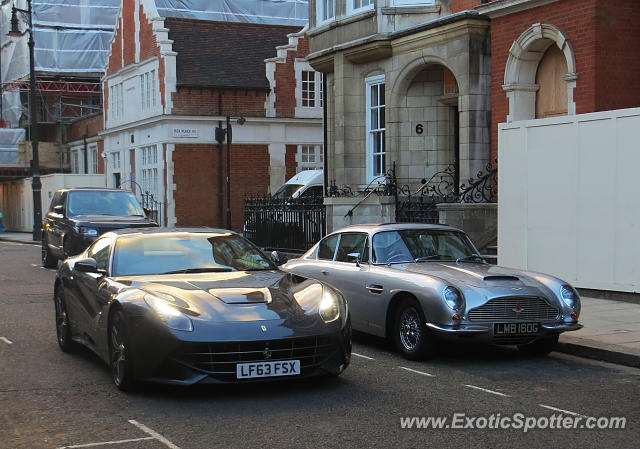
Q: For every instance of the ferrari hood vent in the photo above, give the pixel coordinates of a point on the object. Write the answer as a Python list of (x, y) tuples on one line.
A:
[(242, 295)]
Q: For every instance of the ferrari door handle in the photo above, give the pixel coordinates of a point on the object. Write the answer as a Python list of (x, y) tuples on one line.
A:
[(373, 288)]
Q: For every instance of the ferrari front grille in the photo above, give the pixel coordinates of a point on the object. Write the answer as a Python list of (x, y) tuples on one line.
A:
[(220, 359)]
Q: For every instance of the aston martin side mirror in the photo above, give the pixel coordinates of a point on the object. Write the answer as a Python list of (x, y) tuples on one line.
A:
[(278, 259), (354, 257)]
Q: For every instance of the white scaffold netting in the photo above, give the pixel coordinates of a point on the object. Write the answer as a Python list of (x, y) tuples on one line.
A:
[(72, 37), (276, 12)]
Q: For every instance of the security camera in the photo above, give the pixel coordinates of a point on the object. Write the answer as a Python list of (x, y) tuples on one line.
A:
[(104, 155)]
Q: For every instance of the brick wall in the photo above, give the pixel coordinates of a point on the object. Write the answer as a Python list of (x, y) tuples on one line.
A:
[(290, 163), (101, 160), (617, 57), (115, 58), (285, 78), (129, 28), (149, 48), (577, 18), (91, 126), (462, 5), (196, 178), (203, 101), (285, 89)]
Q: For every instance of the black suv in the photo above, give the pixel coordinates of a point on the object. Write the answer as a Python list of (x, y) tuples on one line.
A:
[(78, 216)]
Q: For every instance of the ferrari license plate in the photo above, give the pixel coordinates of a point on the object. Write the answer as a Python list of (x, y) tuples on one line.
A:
[(516, 328), (268, 369)]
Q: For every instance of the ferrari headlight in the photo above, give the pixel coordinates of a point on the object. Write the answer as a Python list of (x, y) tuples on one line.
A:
[(569, 295), (168, 313), (452, 297), (330, 305)]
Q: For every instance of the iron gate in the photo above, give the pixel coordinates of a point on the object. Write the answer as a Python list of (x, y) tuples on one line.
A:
[(287, 225)]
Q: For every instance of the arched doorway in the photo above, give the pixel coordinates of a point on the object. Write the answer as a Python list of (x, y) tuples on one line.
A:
[(540, 74), (551, 98), (427, 132)]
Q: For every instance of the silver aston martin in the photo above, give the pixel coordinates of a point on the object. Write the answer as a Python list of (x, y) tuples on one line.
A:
[(416, 283)]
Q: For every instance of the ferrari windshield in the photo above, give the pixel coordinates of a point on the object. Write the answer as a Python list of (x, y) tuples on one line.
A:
[(418, 245), (186, 252), (103, 202)]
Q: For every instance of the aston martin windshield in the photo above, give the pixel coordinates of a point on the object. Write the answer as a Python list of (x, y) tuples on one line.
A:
[(419, 245), (103, 202), (186, 253)]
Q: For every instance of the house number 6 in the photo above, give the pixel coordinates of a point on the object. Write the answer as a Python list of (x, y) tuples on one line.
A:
[(419, 128)]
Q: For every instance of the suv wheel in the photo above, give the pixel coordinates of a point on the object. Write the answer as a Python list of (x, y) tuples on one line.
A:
[(48, 259)]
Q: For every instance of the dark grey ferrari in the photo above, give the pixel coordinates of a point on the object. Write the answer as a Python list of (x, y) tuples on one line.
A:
[(186, 306)]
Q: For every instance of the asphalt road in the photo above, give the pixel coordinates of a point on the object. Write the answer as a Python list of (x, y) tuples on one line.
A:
[(49, 399)]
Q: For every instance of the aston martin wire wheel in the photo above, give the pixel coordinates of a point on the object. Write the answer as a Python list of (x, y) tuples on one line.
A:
[(412, 338), (48, 259), (120, 364), (63, 330)]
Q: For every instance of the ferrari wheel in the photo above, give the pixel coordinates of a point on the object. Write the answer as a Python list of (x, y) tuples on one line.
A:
[(63, 331), (412, 338), (121, 371), (540, 347), (48, 259)]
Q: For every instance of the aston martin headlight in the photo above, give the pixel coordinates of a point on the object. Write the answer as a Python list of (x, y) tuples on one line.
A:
[(569, 295), (330, 305), (169, 313), (452, 297)]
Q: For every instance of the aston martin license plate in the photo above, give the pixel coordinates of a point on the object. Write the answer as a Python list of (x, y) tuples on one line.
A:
[(268, 369), (516, 328)]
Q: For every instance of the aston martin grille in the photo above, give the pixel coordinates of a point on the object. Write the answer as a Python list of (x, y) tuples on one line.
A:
[(220, 359), (515, 308)]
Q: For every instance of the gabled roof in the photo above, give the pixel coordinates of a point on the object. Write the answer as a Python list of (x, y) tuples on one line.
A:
[(224, 54)]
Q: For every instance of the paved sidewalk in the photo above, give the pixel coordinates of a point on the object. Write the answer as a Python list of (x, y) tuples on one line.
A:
[(611, 327), (611, 332), (20, 237)]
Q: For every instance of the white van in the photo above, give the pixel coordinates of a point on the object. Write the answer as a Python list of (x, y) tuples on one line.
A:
[(307, 183)]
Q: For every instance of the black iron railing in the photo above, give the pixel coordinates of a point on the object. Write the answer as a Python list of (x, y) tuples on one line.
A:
[(286, 225), (153, 207)]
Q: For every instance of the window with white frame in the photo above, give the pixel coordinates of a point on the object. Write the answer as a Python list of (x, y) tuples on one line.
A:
[(308, 89), (376, 152), (311, 157), (116, 105), (321, 89), (75, 161), (93, 160), (356, 6), (148, 90), (149, 169), (311, 94), (116, 175), (115, 160), (325, 11)]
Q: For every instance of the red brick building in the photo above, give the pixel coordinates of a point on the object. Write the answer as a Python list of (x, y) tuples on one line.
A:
[(171, 82), (568, 56)]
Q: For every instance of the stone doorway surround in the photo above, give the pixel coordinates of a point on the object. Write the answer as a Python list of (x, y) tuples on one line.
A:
[(522, 65), (459, 44)]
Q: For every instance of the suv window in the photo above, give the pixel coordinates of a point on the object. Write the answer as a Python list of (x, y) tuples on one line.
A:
[(327, 247), (351, 243), (103, 202), (313, 191), (56, 201)]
